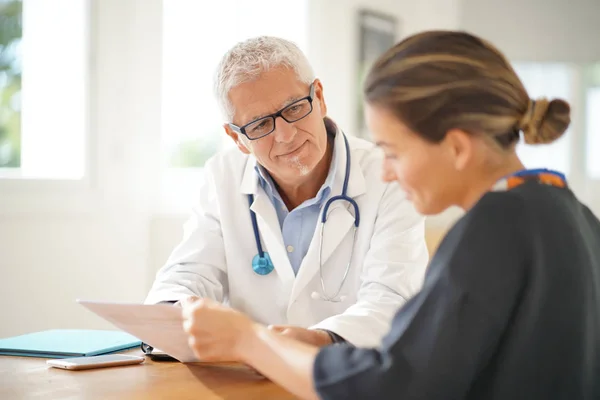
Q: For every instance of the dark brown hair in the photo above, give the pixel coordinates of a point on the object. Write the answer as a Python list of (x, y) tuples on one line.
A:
[(441, 80)]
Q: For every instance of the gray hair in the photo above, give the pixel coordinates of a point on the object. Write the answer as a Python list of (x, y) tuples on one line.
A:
[(248, 59)]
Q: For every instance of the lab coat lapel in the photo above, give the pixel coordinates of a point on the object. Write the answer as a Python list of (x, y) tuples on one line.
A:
[(249, 183), (268, 224), (339, 223)]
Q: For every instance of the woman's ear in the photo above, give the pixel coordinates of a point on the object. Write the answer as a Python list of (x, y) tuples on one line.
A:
[(236, 138), (460, 147)]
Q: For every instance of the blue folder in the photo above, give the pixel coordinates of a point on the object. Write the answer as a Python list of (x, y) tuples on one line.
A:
[(63, 343)]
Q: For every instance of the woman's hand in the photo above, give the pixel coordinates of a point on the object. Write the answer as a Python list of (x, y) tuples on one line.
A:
[(216, 333)]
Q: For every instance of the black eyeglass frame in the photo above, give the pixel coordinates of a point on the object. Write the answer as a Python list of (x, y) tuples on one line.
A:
[(274, 116)]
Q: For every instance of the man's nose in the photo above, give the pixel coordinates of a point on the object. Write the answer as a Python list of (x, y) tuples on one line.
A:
[(284, 131)]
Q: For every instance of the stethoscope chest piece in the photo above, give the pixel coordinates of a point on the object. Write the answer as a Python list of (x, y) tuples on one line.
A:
[(262, 265)]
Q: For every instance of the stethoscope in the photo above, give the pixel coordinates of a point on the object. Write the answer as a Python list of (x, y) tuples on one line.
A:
[(262, 263)]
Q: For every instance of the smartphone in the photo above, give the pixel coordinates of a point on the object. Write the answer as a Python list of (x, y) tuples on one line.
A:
[(107, 360)]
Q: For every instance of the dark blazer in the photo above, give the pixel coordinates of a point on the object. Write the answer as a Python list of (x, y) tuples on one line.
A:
[(510, 309)]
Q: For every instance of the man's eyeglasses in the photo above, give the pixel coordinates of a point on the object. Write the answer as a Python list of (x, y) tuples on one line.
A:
[(265, 125)]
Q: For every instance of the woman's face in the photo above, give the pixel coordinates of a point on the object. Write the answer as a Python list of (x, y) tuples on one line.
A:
[(426, 171)]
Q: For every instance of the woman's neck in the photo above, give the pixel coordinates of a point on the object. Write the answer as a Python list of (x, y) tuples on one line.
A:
[(484, 181)]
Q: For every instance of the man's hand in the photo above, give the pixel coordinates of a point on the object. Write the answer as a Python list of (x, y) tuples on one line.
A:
[(313, 337), (216, 333)]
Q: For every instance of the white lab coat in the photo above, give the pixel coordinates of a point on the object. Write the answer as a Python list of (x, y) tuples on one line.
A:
[(214, 259)]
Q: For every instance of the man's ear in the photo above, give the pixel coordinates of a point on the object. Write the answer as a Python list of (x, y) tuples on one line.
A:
[(236, 138), (459, 145), (320, 98)]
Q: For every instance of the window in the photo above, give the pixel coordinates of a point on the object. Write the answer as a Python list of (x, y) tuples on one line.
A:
[(43, 82), (10, 83), (196, 36), (551, 80), (592, 123)]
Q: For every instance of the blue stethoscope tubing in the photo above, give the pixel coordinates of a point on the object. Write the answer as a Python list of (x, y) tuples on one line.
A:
[(262, 264)]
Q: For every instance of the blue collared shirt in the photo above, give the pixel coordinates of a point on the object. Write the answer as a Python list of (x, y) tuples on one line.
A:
[(298, 226)]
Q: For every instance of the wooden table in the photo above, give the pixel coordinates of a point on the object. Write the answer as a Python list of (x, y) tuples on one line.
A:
[(27, 378)]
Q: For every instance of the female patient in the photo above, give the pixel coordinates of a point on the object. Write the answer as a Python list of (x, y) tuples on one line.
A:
[(510, 308)]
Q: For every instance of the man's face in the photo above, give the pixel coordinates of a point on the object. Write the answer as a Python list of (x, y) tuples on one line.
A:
[(292, 151)]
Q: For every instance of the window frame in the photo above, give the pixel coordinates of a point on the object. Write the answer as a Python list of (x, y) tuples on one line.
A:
[(25, 195)]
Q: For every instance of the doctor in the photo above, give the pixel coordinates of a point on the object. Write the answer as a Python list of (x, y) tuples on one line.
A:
[(294, 227)]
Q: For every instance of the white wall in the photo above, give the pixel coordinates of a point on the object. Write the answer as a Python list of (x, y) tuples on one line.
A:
[(538, 30)]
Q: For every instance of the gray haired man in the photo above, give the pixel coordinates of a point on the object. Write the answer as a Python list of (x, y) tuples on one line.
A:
[(259, 238)]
